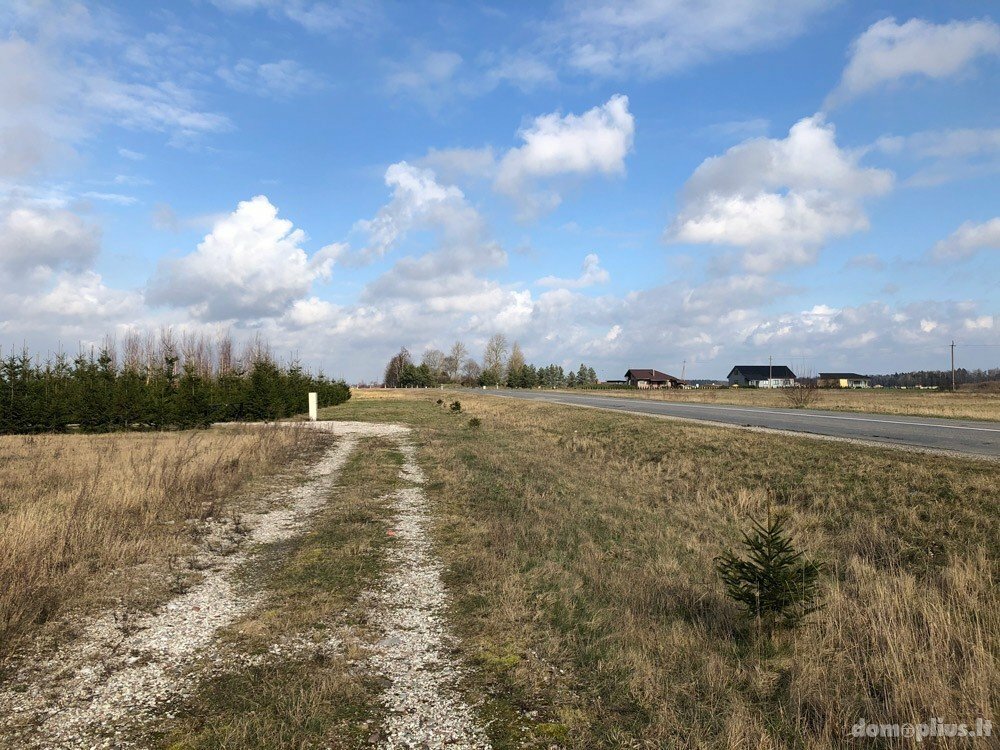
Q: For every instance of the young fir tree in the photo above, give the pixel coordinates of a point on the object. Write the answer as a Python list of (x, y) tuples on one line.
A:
[(775, 584)]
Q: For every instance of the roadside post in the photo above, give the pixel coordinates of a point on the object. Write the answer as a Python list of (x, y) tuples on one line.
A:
[(313, 407)]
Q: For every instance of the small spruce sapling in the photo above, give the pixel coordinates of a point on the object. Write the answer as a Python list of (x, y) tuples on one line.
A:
[(775, 585)]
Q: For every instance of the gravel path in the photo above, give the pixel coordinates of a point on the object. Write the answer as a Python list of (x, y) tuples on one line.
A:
[(120, 675), (423, 708)]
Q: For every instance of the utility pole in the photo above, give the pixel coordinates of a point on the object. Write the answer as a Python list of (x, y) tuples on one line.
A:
[(683, 368), (770, 372), (953, 365)]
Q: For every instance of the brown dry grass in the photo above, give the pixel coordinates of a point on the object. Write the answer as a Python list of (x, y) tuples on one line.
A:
[(74, 509), (580, 551), (976, 405)]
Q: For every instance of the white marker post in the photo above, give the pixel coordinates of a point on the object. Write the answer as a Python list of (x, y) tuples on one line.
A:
[(313, 407)]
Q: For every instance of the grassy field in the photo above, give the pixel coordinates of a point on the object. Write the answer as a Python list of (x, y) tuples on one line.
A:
[(958, 405), (580, 551), (77, 509), (578, 548)]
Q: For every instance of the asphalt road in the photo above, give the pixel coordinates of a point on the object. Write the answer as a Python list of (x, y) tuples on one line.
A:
[(959, 436)]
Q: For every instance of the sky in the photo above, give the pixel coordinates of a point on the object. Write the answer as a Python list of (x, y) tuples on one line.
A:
[(625, 183)]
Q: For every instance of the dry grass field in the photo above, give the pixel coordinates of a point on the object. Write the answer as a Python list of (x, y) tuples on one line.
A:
[(580, 546), (977, 405), (578, 551), (77, 509)]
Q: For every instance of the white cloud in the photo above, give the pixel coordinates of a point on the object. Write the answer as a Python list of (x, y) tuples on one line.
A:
[(571, 145), (419, 201), (453, 164), (868, 261), (305, 313), (430, 77), (887, 52), (281, 79), (316, 16), (164, 107), (57, 88), (250, 266), (116, 198), (945, 155), (132, 180), (85, 297), (943, 143), (131, 155), (437, 77), (982, 323), (35, 132), (657, 37), (592, 274), (968, 240), (526, 72), (39, 237), (780, 200)]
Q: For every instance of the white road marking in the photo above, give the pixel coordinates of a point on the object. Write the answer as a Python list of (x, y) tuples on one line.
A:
[(802, 414)]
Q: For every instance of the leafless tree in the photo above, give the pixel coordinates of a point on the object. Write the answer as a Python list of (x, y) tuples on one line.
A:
[(471, 372), (455, 359), (435, 361), (516, 359), (132, 351), (256, 350), (224, 348), (803, 394), (495, 358)]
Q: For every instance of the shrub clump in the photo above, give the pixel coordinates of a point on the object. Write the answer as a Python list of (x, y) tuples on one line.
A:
[(456, 406), (475, 422), (775, 585)]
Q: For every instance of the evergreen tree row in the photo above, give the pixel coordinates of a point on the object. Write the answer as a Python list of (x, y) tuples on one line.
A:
[(93, 394)]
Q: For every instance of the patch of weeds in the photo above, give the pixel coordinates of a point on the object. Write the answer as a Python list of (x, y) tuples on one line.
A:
[(475, 423), (456, 406), (552, 731)]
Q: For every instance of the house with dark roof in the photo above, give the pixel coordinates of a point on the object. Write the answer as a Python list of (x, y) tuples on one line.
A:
[(762, 376), (639, 378), (843, 380)]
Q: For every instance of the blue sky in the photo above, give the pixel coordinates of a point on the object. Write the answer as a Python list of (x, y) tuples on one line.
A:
[(626, 183)]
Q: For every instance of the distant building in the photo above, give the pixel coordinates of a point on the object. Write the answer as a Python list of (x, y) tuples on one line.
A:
[(843, 380), (652, 379), (762, 376)]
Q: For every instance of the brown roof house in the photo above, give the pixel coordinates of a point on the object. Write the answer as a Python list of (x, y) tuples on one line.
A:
[(652, 379)]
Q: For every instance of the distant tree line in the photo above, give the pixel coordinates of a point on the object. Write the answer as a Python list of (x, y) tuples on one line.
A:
[(155, 383), (502, 365), (939, 378)]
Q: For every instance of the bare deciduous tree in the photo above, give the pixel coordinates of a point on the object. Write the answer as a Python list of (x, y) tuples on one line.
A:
[(456, 357), (804, 393), (495, 359), (435, 361), (471, 372), (516, 359)]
